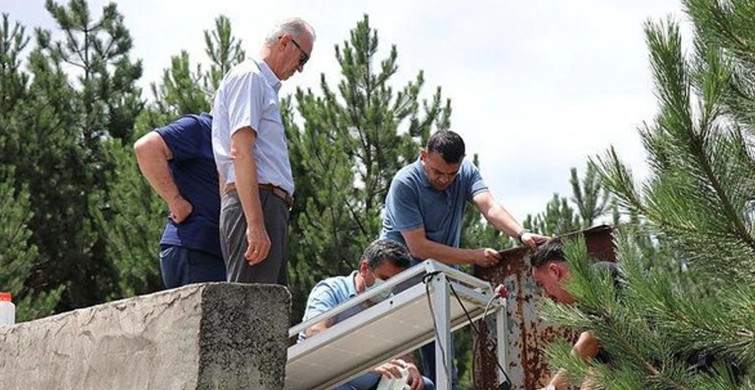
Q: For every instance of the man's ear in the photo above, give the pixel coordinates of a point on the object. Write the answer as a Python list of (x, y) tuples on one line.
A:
[(284, 40), (364, 266), (555, 270), (422, 154)]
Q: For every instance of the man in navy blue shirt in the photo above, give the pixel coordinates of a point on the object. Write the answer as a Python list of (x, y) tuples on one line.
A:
[(178, 163)]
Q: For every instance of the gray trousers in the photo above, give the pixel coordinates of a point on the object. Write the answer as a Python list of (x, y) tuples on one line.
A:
[(233, 242)]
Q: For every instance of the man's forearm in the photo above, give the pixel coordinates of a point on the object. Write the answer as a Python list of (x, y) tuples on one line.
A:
[(503, 221), (248, 188), (496, 214), (154, 167), (245, 167), (445, 254), (586, 348), (221, 184), (559, 380), (315, 329)]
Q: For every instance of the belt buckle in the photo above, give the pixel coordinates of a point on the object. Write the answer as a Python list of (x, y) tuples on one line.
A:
[(283, 195)]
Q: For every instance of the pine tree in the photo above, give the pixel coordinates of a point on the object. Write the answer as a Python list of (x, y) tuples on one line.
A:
[(99, 51), (352, 142), (591, 202), (19, 260), (684, 319), (181, 90), (590, 197), (184, 91), (224, 51), (42, 154), (558, 218), (66, 163)]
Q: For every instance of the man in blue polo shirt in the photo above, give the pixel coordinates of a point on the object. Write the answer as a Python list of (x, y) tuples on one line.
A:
[(381, 260), (178, 163), (424, 210)]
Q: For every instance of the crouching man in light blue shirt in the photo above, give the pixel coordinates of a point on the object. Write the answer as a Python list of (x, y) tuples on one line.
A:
[(381, 260)]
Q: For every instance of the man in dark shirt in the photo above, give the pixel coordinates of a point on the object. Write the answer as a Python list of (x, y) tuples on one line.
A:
[(551, 271), (178, 163)]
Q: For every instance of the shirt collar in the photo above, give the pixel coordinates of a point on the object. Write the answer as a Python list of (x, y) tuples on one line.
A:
[(271, 78), (422, 174), (353, 285)]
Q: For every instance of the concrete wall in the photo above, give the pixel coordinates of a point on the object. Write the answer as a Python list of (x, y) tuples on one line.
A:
[(202, 336)]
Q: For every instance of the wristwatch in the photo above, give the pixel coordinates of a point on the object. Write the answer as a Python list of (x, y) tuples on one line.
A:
[(519, 235), (550, 386)]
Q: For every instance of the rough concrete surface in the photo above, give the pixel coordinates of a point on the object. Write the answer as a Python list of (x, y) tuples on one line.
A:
[(202, 336)]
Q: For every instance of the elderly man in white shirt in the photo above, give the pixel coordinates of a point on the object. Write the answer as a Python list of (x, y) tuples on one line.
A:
[(249, 144)]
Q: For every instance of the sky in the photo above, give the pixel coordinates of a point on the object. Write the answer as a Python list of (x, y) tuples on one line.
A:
[(536, 86)]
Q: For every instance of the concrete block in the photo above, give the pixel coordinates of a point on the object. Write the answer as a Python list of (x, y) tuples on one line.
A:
[(202, 336)]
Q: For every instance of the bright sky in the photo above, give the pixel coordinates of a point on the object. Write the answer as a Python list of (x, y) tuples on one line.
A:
[(536, 86)]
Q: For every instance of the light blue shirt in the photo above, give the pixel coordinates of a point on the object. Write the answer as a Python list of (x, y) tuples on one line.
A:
[(328, 294), (412, 203), (248, 97)]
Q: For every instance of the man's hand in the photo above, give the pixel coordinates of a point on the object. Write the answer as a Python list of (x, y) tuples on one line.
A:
[(390, 369), (486, 257), (532, 240), (415, 378), (259, 244), (180, 209)]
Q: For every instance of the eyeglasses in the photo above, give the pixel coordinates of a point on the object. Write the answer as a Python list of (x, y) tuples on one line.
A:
[(303, 57)]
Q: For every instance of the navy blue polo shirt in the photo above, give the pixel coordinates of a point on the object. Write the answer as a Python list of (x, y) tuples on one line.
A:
[(412, 203), (194, 172)]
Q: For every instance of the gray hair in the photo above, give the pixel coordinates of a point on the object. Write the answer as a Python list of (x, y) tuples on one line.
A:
[(294, 26), (384, 250)]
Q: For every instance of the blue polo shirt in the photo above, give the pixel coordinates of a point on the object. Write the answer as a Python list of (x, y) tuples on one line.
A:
[(412, 203), (193, 170), (328, 294)]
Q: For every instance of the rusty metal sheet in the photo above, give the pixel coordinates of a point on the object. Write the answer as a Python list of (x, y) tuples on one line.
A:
[(527, 331)]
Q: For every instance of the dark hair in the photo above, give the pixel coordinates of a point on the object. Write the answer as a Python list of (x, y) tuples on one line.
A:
[(552, 250), (383, 250), (448, 144)]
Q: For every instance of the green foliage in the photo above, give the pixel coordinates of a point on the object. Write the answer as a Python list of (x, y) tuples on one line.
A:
[(133, 225), (17, 256), (558, 218), (689, 284), (186, 91), (589, 197), (99, 50), (224, 51), (76, 121), (703, 170), (352, 142), (658, 325), (13, 82), (180, 92)]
